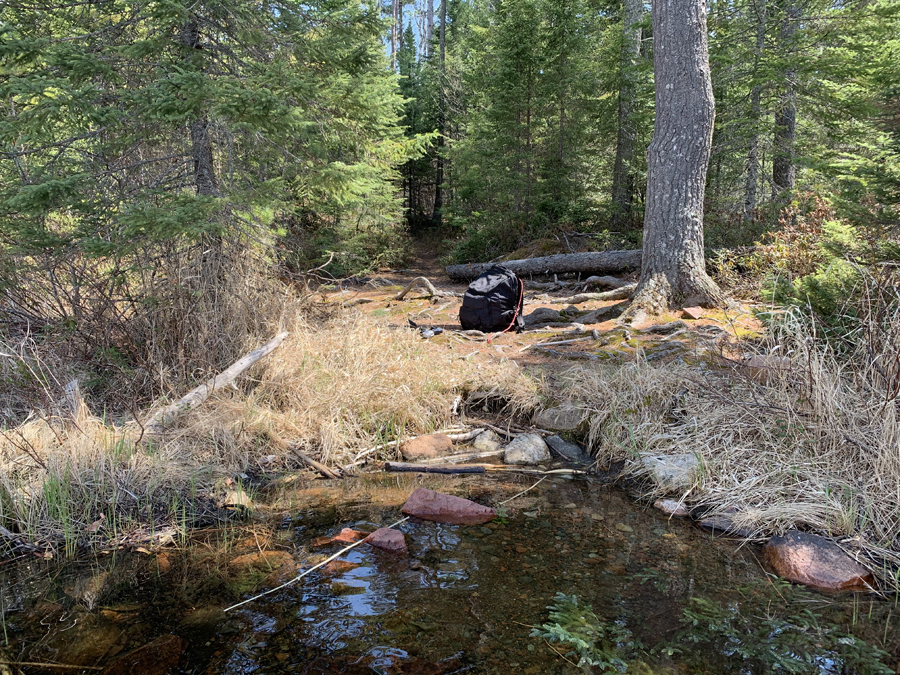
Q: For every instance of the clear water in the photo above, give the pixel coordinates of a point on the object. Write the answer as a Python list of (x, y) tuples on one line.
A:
[(465, 600)]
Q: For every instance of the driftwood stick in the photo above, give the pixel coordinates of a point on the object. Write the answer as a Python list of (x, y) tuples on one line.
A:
[(432, 291), (318, 466), (467, 436), (157, 424), (463, 457), (433, 468)]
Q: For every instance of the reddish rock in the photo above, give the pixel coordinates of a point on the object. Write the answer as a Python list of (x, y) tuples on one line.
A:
[(672, 507), (336, 567), (388, 540), (692, 313), (345, 536), (156, 658), (425, 447), (348, 536), (441, 508), (815, 561)]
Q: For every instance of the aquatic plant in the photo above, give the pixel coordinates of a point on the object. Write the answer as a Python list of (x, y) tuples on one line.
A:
[(596, 643), (768, 642)]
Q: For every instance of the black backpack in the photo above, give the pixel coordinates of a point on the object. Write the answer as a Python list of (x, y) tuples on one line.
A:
[(493, 302)]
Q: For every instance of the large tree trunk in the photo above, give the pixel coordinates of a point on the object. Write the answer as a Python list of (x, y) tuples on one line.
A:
[(201, 144), (429, 26), (673, 267), (623, 171), (751, 189), (783, 167), (602, 262), (439, 170), (395, 31)]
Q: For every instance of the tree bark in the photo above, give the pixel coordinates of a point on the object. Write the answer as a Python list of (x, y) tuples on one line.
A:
[(623, 170), (201, 146), (783, 167), (395, 31), (439, 169), (751, 189), (588, 263), (673, 266), (429, 26)]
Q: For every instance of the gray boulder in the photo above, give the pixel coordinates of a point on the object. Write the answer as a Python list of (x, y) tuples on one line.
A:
[(527, 449), (677, 472), (487, 441), (563, 418), (568, 451)]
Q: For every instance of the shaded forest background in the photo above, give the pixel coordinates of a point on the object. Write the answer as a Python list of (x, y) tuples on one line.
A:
[(170, 172)]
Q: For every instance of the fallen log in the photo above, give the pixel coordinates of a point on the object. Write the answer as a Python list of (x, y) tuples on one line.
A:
[(157, 424), (434, 468), (588, 263)]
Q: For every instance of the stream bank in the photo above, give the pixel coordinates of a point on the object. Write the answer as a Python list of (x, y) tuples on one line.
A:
[(467, 599)]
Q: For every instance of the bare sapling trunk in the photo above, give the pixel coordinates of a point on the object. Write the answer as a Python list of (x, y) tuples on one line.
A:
[(623, 170), (673, 270)]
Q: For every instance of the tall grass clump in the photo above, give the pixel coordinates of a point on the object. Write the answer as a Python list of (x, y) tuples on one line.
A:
[(341, 382), (810, 441)]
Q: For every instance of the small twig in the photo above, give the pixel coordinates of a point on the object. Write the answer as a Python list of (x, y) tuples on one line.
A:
[(562, 656)]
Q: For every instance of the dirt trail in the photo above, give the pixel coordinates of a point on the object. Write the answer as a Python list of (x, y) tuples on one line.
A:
[(714, 332)]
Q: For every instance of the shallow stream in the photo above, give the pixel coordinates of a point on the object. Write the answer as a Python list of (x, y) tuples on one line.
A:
[(668, 597)]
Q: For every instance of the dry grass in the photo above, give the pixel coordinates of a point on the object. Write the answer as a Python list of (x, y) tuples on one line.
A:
[(338, 384), (815, 447)]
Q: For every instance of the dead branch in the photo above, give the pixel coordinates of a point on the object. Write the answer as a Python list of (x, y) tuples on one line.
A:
[(318, 466), (156, 425), (440, 468)]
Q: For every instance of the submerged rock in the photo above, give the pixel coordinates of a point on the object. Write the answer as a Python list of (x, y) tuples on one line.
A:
[(676, 472), (262, 560), (722, 524), (815, 561), (569, 451), (563, 418), (426, 447), (156, 658), (672, 507), (487, 441), (440, 508), (387, 539), (345, 536), (527, 449)]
